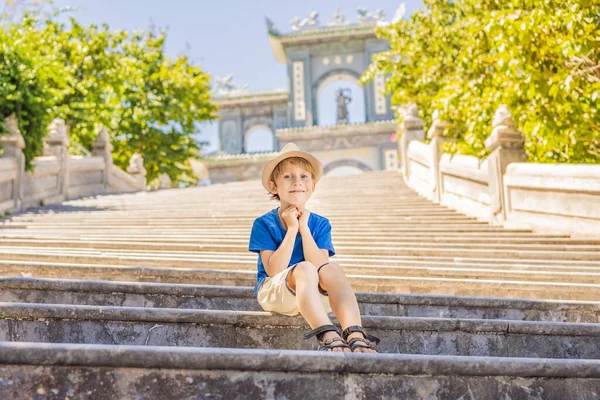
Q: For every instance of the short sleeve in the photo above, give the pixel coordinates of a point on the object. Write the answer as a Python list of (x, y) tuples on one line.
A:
[(323, 239), (260, 238)]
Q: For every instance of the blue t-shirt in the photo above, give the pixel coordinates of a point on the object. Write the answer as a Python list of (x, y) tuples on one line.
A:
[(268, 234)]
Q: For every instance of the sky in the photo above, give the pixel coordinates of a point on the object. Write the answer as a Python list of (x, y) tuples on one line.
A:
[(230, 37)]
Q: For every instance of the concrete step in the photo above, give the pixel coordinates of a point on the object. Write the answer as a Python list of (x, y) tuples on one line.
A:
[(35, 370), (561, 273), (167, 236), (248, 260), (196, 214), (207, 297), (358, 225), (365, 283), (175, 244), (443, 230), (58, 323), (414, 250)]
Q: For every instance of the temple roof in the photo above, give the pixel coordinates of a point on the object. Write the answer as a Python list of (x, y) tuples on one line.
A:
[(315, 35), (336, 130), (236, 98)]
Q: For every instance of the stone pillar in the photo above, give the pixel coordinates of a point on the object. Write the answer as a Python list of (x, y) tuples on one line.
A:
[(164, 182), (506, 145), (13, 144), (410, 129), (436, 134), (103, 148), (137, 170), (55, 144)]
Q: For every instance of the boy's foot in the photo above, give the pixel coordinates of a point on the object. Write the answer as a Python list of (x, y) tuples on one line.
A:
[(360, 344), (337, 343)]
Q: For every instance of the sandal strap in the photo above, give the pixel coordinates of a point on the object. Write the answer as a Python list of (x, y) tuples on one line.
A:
[(327, 344), (357, 328), (357, 342), (320, 331)]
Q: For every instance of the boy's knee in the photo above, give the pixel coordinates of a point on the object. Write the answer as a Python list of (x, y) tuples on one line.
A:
[(330, 268), (306, 269)]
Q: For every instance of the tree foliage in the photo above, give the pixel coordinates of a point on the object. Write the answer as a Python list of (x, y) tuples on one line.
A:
[(92, 76), (467, 57)]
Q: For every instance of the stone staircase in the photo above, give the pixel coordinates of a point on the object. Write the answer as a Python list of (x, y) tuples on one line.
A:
[(149, 295)]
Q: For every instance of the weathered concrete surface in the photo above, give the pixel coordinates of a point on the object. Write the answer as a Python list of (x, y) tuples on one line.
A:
[(196, 236), (106, 372), (245, 329), (554, 197), (211, 297), (366, 283)]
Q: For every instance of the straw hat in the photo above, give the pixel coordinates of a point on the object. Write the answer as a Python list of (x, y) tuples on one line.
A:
[(290, 150)]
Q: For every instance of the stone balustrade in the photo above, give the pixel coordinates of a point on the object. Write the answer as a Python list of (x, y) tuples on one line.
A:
[(57, 176), (502, 189)]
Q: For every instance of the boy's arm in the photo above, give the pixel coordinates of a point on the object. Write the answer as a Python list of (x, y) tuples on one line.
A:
[(278, 260), (312, 252)]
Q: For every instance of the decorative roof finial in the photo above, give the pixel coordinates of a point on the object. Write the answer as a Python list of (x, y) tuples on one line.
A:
[(271, 28), (311, 22), (366, 17), (400, 12), (225, 86), (338, 18)]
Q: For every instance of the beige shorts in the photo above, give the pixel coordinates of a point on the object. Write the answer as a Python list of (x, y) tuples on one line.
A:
[(275, 295)]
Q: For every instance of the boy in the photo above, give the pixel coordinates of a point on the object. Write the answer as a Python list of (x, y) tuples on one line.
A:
[(294, 246)]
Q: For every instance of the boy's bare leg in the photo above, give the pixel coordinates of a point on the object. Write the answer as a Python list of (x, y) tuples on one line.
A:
[(304, 280), (342, 299)]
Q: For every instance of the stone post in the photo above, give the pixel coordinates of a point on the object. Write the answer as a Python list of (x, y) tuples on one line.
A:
[(411, 129), (137, 170), (55, 144), (13, 144), (506, 145), (103, 148), (164, 182), (436, 134)]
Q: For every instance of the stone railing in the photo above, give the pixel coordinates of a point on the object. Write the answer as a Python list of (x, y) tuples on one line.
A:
[(58, 176), (236, 167), (502, 189)]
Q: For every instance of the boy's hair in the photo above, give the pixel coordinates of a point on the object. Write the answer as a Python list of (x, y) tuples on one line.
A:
[(301, 162)]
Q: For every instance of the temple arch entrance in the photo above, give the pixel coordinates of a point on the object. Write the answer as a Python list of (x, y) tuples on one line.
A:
[(259, 139), (345, 167), (326, 92)]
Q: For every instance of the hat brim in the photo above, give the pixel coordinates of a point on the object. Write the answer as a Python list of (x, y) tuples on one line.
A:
[(270, 166)]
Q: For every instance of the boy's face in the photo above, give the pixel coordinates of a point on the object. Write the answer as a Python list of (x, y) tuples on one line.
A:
[(294, 186)]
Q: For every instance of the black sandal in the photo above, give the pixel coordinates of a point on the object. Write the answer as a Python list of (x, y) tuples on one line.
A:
[(326, 345), (368, 342)]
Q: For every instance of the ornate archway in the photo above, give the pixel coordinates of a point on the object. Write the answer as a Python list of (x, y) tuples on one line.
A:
[(340, 74), (346, 163), (262, 128)]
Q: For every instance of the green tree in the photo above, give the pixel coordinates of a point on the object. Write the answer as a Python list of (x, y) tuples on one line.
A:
[(466, 57), (32, 79), (92, 76), (162, 102)]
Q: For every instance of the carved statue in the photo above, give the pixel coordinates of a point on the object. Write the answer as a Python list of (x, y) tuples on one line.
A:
[(503, 116), (400, 12), (343, 98), (412, 110), (365, 17), (338, 18), (310, 22), (225, 86)]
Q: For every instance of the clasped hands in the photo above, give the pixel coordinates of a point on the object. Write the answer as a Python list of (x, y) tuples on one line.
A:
[(296, 218)]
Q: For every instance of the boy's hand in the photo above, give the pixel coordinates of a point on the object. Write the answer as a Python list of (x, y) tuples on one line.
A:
[(290, 217), (303, 220)]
